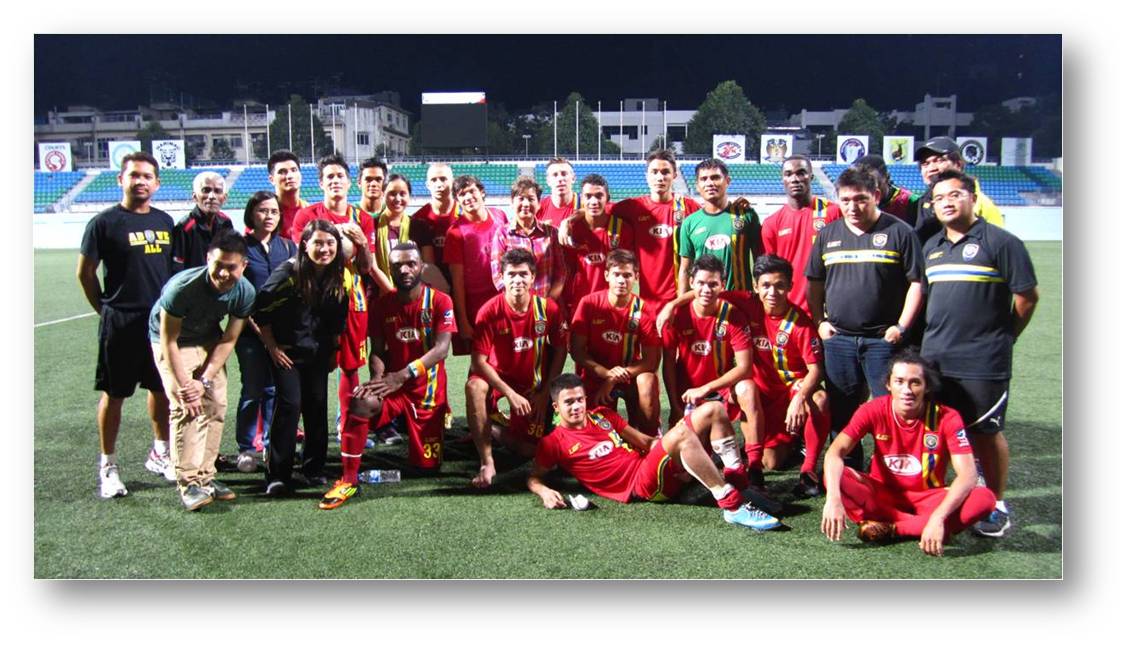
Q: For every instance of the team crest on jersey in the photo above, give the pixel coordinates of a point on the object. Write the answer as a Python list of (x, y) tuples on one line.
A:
[(763, 343), (903, 464), (701, 348), (738, 224), (605, 424), (594, 258), (880, 240), (425, 317), (931, 440), (679, 216), (819, 224), (722, 330), (601, 449), (661, 230), (612, 337), (407, 335), (716, 242), (781, 339), (539, 327), (970, 251), (522, 344), (632, 324), (614, 242)]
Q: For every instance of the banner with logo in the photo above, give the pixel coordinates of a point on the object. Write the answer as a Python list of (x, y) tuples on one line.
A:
[(1017, 151), (119, 149), (55, 157), (899, 149), (169, 153), (729, 147), (852, 147), (973, 149), (774, 148)]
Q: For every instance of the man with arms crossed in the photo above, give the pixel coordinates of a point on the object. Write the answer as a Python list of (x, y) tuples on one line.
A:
[(981, 295), (904, 494), (616, 346), (191, 353), (133, 242), (616, 461), (519, 347)]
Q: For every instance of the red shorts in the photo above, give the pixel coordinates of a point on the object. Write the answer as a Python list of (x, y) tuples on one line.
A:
[(424, 428), (515, 429), (656, 478), (353, 352), (775, 419)]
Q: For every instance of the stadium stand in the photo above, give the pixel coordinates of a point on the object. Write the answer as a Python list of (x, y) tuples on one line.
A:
[(624, 179), (496, 177), (51, 186), (176, 185), (750, 178)]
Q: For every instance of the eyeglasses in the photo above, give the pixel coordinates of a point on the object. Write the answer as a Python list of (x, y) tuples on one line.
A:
[(954, 196)]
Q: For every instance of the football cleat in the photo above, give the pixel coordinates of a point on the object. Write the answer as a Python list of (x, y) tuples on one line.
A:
[(339, 494), (807, 486), (875, 532), (160, 464), (751, 517), (109, 482), (995, 525)]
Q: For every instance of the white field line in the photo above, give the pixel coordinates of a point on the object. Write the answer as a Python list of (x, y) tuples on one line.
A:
[(63, 320)]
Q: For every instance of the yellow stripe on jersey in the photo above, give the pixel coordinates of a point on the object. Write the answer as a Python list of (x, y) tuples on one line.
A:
[(634, 324), (928, 459), (963, 273), (720, 357), (780, 355), (614, 231), (739, 258), (679, 207), (872, 256), (539, 316), (426, 317)]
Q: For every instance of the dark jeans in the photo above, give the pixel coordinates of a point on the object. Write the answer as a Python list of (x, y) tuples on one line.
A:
[(852, 363), (257, 396), (303, 389)]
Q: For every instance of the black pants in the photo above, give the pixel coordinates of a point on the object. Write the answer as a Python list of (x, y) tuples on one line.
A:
[(303, 389)]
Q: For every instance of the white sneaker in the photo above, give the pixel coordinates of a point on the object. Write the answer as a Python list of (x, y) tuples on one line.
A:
[(159, 464), (247, 462), (110, 485)]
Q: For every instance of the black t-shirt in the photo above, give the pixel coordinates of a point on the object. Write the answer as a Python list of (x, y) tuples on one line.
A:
[(927, 224), (135, 250), (191, 237), (310, 330), (969, 332), (866, 275)]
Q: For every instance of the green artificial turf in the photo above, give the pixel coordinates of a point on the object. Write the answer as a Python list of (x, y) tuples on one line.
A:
[(438, 528)]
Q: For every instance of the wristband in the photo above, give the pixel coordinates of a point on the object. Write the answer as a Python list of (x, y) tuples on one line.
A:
[(416, 368)]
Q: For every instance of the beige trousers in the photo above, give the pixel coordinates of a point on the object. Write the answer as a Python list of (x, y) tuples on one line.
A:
[(194, 440)]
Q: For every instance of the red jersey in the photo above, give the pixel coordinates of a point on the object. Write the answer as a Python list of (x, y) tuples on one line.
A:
[(516, 344), (352, 353), (615, 336), (409, 331), (790, 234), (706, 346), (550, 214), (286, 222), (913, 457), (588, 255), (439, 223), (655, 232), (319, 211), (783, 348), (595, 455), (468, 245)]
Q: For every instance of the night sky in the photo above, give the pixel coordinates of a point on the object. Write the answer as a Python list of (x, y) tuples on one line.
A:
[(777, 72)]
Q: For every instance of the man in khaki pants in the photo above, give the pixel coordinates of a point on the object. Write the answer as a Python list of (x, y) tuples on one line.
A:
[(190, 350)]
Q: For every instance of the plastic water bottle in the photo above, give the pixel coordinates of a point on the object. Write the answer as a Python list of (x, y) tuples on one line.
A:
[(379, 476)]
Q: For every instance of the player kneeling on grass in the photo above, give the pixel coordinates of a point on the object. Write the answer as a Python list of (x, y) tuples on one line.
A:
[(520, 342), (904, 494), (614, 460), (786, 369), (191, 350), (410, 334)]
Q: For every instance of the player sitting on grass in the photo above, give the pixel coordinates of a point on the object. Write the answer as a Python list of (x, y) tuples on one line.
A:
[(617, 461), (904, 494), (520, 342)]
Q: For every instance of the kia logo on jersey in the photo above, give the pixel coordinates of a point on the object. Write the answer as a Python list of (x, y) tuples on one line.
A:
[(407, 335), (662, 230), (716, 242), (612, 337), (522, 344), (903, 464), (601, 449), (594, 258), (701, 347), (763, 343)]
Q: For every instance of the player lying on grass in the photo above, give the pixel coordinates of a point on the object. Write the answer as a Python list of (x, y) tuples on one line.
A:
[(617, 461), (904, 494)]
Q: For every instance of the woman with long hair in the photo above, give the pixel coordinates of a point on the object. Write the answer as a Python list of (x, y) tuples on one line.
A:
[(301, 312), (266, 251), (394, 225)]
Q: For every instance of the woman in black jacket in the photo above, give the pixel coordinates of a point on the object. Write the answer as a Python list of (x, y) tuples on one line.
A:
[(301, 311)]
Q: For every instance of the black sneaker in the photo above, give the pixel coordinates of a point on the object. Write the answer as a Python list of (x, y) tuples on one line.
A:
[(807, 486), (994, 526)]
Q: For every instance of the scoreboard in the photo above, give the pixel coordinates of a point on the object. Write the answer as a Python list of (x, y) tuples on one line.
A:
[(454, 119)]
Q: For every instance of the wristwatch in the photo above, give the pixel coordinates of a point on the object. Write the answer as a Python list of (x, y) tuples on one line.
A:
[(206, 382)]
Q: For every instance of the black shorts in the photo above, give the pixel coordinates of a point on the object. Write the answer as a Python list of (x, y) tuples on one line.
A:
[(981, 404), (125, 355)]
